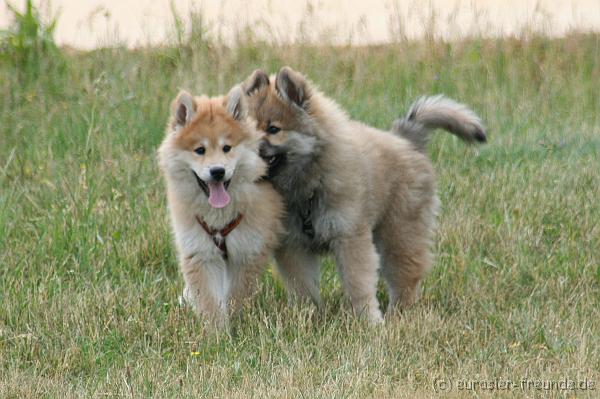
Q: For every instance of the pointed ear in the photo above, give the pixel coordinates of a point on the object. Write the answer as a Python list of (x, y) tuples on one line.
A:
[(183, 109), (292, 86), (234, 103), (256, 81)]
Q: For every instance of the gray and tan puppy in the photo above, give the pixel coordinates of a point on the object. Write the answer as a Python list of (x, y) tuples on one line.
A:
[(364, 195)]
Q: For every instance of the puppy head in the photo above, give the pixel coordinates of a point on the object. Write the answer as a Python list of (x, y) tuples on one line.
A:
[(210, 146), (281, 108)]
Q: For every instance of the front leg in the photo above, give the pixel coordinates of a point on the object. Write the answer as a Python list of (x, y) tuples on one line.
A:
[(299, 270), (207, 291), (245, 282), (357, 262)]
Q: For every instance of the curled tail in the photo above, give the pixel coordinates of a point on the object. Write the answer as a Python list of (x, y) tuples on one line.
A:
[(429, 113)]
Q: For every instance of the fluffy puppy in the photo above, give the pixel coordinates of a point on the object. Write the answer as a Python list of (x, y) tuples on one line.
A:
[(226, 221), (364, 195)]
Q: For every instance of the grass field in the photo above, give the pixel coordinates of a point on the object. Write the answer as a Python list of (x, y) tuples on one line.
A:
[(89, 280)]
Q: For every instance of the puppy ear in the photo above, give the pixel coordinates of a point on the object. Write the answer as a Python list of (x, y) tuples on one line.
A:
[(292, 86), (256, 81), (234, 103), (183, 109)]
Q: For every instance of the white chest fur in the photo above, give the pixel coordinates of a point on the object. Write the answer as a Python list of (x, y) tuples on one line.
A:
[(244, 244)]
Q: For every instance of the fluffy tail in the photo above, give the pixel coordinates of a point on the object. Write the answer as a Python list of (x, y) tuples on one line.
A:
[(429, 113)]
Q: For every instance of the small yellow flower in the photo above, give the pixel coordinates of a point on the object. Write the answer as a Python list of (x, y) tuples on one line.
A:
[(195, 353)]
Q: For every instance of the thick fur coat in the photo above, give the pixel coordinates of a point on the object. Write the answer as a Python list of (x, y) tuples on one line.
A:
[(210, 162), (364, 195)]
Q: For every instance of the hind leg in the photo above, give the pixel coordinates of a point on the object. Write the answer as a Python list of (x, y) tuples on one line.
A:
[(406, 255)]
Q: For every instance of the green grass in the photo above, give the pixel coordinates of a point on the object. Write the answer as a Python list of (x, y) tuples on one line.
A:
[(88, 276)]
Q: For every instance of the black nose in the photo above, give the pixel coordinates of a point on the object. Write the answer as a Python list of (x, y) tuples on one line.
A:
[(266, 150), (217, 173), (263, 149)]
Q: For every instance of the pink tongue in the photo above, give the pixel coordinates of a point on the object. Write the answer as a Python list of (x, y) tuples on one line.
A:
[(218, 197)]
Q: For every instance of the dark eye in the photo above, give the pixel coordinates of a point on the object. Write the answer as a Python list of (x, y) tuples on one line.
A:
[(226, 148), (200, 150), (272, 129)]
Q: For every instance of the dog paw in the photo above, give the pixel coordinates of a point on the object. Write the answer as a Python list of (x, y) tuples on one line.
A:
[(375, 318)]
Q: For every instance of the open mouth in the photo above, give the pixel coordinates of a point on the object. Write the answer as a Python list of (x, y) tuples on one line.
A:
[(274, 155), (216, 191), (274, 163)]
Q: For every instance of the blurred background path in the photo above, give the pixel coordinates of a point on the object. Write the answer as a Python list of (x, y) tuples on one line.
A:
[(92, 23)]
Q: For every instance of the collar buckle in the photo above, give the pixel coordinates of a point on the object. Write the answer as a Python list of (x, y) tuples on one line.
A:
[(218, 236)]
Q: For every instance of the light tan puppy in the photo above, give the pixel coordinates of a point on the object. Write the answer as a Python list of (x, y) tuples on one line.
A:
[(225, 220), (364, 195)]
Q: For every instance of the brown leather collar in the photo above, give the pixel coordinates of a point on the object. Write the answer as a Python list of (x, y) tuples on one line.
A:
[(218, 236)]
